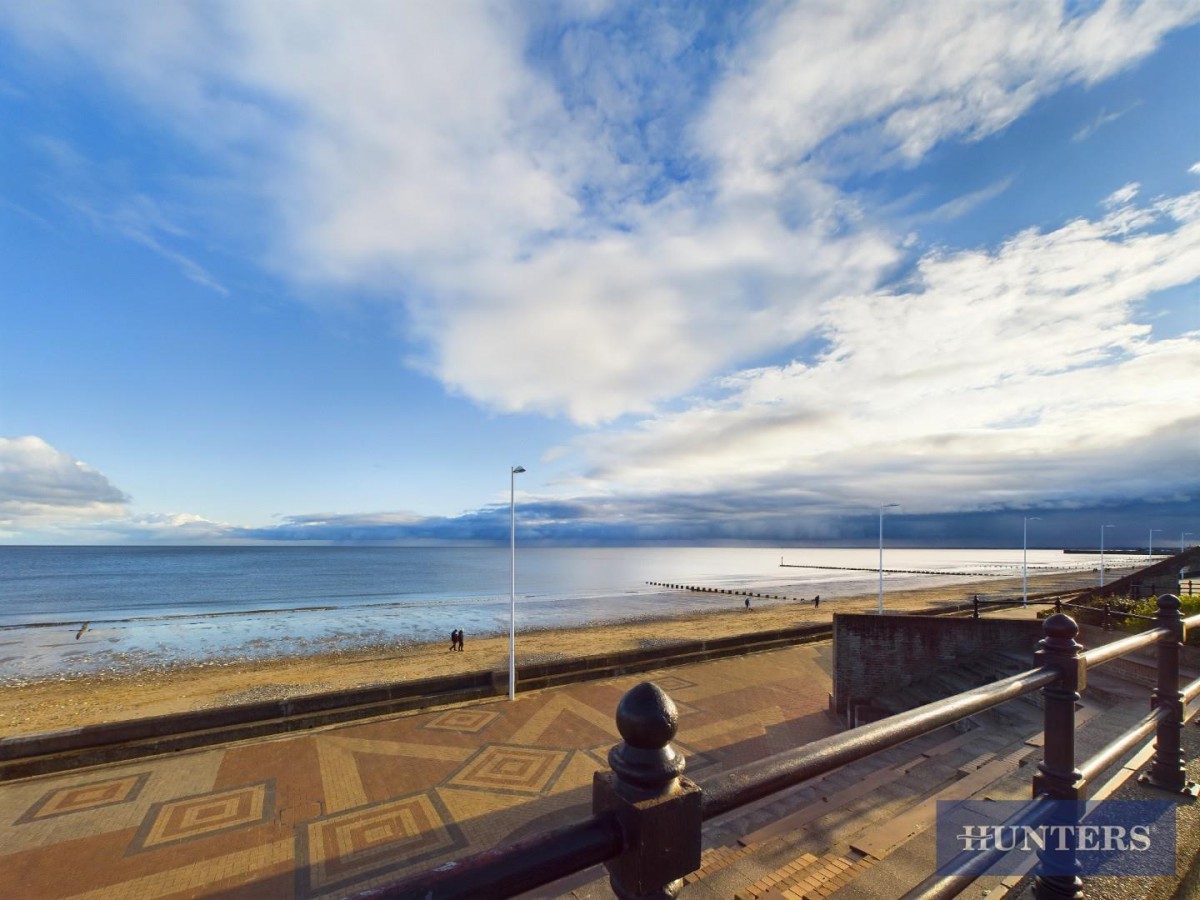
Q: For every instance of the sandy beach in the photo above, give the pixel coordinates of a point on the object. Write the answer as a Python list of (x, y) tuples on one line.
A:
[(61, 702)]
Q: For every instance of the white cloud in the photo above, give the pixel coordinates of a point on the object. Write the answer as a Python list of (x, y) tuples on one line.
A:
[(872, 84), (41, 484), (998, 376), (1121, 196), (1104, 118), (423, 156), (961, 206)]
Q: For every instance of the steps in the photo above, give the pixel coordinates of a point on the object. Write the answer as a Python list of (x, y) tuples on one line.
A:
[(808, 877)]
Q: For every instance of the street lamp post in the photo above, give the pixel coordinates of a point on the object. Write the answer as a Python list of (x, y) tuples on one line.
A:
[(1025, 558), (882, 507), (1150, 546), (512, 620), (1102, 527)]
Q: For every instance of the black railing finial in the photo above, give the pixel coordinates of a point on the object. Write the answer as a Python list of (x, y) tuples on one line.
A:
[(658, 810), (645, 762)]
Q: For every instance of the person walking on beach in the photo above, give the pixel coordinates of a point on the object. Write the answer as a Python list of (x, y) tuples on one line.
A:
[(817, 601), (460, 640), (454, 640), (747, 603)]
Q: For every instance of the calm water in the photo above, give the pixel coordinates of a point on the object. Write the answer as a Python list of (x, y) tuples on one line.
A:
[(154, 605)]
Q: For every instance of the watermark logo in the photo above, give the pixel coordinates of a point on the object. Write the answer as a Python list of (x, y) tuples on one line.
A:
[(1107, 837)]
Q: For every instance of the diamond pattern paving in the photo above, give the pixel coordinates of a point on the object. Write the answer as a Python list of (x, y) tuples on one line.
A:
[(465, 721), (339, 851), (80, 797), (523, 770), (324, 813), (205, 814)]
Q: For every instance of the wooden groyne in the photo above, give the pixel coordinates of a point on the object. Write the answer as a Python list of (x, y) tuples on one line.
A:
[(710, 590)]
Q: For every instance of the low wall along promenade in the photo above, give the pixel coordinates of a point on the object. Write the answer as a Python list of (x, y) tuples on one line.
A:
[(874, 654)]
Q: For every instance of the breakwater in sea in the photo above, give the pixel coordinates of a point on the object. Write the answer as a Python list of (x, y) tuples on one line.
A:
[(153, 606), (695, 588)]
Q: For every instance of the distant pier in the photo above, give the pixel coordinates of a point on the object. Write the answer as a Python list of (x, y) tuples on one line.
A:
[(898, 571)]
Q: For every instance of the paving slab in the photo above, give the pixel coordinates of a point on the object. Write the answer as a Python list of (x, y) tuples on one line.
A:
[(335, 810)]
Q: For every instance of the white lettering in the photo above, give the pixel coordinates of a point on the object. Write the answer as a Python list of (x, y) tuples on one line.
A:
[(1038, 837), (1062, 833), (1114, 838), (1139, 838), (974, 837)]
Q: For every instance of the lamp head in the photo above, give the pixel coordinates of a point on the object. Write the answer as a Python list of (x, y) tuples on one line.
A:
[(517, 470)]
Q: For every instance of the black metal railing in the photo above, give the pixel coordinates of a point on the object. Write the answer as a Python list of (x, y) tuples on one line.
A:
[(647, 817)]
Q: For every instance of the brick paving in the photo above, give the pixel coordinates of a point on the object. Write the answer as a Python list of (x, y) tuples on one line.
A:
[(331, 811)]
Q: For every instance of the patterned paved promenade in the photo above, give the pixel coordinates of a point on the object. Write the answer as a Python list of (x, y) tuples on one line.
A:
[(336, 810)]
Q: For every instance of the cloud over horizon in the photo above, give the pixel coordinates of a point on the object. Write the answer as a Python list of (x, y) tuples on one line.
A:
[(989, 379), (40, 484), (671, 229)]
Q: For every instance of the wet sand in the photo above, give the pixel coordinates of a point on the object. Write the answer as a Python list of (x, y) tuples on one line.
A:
[(61, 702)]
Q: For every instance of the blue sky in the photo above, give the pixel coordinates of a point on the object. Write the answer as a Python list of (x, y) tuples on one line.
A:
[(736, 271)]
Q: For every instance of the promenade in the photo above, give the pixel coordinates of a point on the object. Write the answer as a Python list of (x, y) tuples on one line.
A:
[(334, 810)]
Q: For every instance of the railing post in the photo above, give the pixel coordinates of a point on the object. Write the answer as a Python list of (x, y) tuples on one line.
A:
[(976, 606), (1167, 770), (1108, 617), (658, 810), (1058, 777)]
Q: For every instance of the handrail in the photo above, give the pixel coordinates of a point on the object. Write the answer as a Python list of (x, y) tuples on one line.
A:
[(1098, 656), (646, 821), (950, 883), (1119, 746), (512, 869), (1113, 751), (755, 780)]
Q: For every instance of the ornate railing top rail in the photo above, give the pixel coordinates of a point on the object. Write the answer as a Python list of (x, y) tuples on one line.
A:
[(1106, 652), (758, 779), (647, 817), (513, 868), (949, 883)]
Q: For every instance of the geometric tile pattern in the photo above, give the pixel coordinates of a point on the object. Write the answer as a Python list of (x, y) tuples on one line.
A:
[(202, 815), (464, 721), (672, 683), (327, 812), (500, 768), (684, 709), (80, 797), (350, 847)]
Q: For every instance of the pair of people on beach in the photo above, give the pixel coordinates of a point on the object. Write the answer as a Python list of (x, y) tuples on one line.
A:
[(456, 639)]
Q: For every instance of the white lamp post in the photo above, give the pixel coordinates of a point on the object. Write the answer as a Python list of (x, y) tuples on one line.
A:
[(512, 621), (881, 509), (1150, 547), (1025, 558), (1102, 527)]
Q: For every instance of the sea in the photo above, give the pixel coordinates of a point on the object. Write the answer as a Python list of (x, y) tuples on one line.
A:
[(152, 606)]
